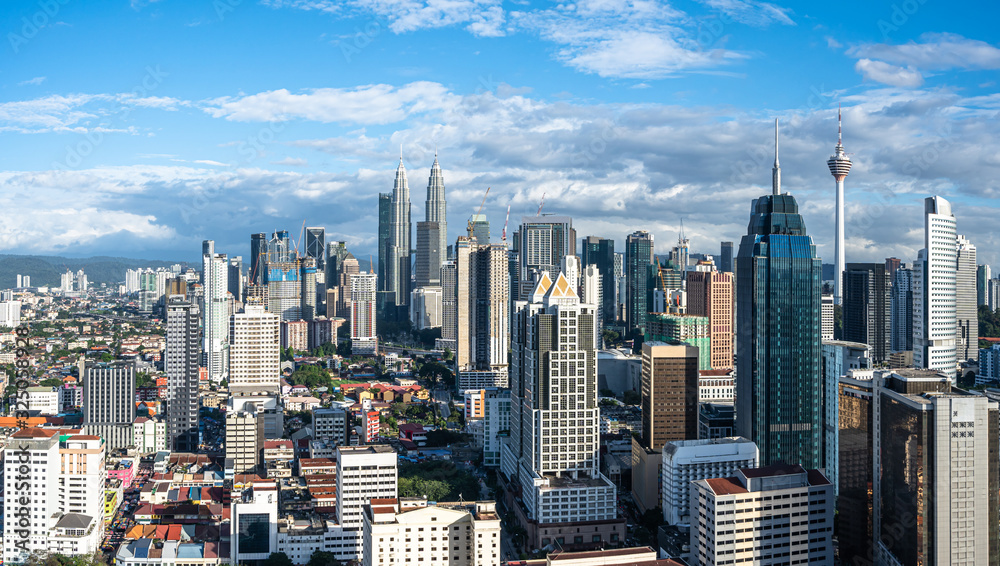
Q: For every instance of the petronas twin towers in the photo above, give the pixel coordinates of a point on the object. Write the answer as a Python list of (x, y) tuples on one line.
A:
[(395, 249)]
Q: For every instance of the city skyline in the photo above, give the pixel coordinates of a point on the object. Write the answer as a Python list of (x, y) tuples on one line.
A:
[(607, 125)]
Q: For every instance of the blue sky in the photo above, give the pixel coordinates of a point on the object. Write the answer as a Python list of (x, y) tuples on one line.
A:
[(141, 128)]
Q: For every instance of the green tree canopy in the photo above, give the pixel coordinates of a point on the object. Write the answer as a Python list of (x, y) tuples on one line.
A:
[(323, 558), (278, 559), (311, 376)]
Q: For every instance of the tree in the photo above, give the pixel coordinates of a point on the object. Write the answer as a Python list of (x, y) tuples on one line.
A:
[(631, 398), (106, 357), (448, 354), (278, 559), (143, 379), (51, 382), (323, 558), (344, 348), (311, 376)]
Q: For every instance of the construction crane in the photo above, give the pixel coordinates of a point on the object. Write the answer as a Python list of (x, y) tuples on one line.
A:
[(540, 205), (472, 219), (505, 221)]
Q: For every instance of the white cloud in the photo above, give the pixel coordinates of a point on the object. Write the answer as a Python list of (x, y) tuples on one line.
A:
[(35, 81), (210, 162), (935, 52), (885, 73), (750, 12), (370, 104), (832, 42), (291, 162)]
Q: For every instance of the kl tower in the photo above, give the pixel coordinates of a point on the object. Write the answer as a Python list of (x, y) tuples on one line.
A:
[(840, 166)]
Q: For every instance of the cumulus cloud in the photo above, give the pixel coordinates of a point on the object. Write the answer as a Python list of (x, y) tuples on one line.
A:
[(934, 52), (885, 73)]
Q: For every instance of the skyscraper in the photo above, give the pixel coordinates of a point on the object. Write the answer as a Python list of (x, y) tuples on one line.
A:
[(316, 246), (840, 166), (480, 229), (983, 277), (279, 247), (867, 308), (902, 310), (363, 291), (284, 289), (255, 361), (258, 258), (427, 272), (601, 252), (711, 294), (543, 242), (552, 450), (449, 306), (307, 291), (215, 278), (235, 277), (966, 307), (400, 259), (935, 325), (109, 401), (436, 211), (726, 258), (936, 497), (592, 293), (779, 393), (669, 393), (638, 257), (491, 291), (181, 364)]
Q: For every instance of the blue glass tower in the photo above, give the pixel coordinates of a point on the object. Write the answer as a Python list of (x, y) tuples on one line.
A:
[(779, 385)]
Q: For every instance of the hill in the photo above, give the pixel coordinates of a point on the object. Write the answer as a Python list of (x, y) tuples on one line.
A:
[(47, 270)]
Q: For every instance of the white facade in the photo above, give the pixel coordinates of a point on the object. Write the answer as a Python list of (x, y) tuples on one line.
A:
[(497, 421), (45, 400), (10, 313), (363, 290), (363, 473), (685, 461), (254, 362), (738, 521), (109, 402), (216, 315), (482, 379), (425, 307), (54, 494), (330, 424), (827, 317), (966, 309), (255, 524), (839, 358), (553, 447), (717, 388), (592, 293), (447, 534), (149, 435), (934, 289)]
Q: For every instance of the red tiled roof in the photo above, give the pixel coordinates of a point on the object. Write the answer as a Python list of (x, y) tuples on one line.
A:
[(726, 486)]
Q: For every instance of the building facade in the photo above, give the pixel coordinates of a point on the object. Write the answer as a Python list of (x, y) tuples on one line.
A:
[(182, 368), (109, 402), (685, 461), (935, 325), (710, 294), (638, 258), (255, 353)]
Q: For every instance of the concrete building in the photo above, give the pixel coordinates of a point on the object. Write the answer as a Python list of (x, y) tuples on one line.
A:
[(685, 461), (592, 293), (254, 524), (966, 307), (867, 309), (496, 426), (43, 401), (716, 420), (109, 402), (401, 532), (425, 307), (739, 523), (364, 474), (839, 359), (254, 365), (551, 455), (182, 369), (711, 294), (827, 321), (149, 435), (55, 494), (430, 256), (936, 471), (244, 440), (693, 330), (935, 326), (482, 379), (669, 394), (294, 334), (215, 282), (600, 252), (363, 290), (542, 242), (10, 314), (331, 424)]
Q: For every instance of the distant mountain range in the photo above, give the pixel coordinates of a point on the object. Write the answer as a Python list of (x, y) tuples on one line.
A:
[(45, 271)]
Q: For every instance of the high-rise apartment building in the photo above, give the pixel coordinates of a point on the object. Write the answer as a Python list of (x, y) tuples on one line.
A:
[(902, 310), (638, 257), (600, 252), (109, 401), (936, 471), (244, 439), (491, 301), (867, 308), (425, 307), (235, 278), (435, 210), (710, 294), (55, 486), (181, 365), (254, 363), (726, 257), (738, 521), (215, 281), (363, 295), (449, 306), (779, 393), (935, 325), (966, 307), (827, 322), (308, 275), (552, 452), (592, 293), (480, 229), (692, 330)]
